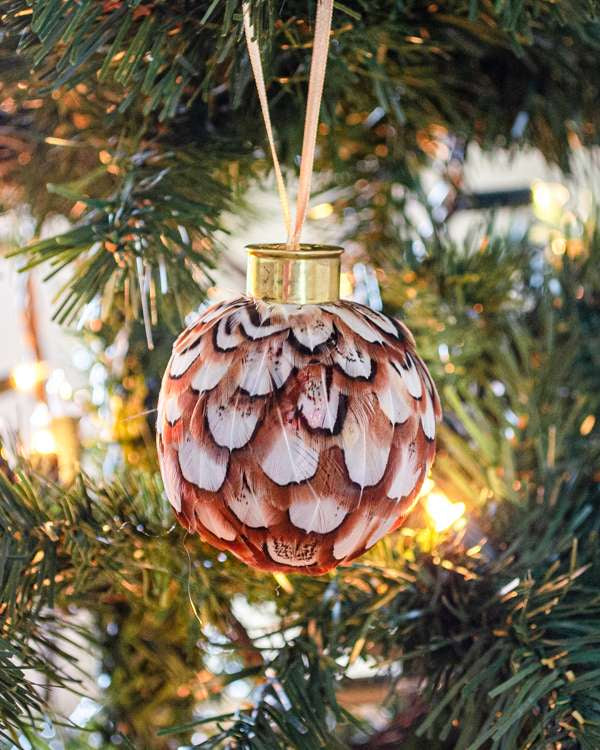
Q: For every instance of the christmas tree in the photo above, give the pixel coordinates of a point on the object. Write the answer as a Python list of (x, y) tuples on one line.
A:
[(476, 624)]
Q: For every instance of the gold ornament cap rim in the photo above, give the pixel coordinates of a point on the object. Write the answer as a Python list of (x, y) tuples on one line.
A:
[(308, 275)]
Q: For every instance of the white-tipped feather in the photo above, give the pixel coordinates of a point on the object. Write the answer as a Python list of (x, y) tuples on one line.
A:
[(428, 417), (232, 422), (172, 410), (380, 320), (319, 407), (256, 377), (320, 514), (355, 362), (392, 397), (261, 331), (212, 312), (228, 339), (365, 457), (289, 458), (210, 517), (381, 529), (251, 509), (209, 375), (180, 363), (407, 474), (203, 465), (349, 541), (356, 323), (281, 363), (189, 339), (410, 376), (311, 333), (171, 478)]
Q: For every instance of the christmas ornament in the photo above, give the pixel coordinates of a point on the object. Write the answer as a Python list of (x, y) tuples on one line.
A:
[(295, 429), (295, 435)]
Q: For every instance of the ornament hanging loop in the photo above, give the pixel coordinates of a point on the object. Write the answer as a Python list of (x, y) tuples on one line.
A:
[(313, 105), (257, 70)]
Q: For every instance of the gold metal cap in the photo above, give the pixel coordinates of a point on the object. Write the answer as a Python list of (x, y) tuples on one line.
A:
[(310, 274)]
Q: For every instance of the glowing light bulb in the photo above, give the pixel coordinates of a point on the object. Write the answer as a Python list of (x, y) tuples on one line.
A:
[(284, 582), (28, 374), (320, 211), (548, 199), (43, 442), (587, 425), (442, 511)]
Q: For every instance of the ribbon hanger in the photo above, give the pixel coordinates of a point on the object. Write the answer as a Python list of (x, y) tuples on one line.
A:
[(311, 122)]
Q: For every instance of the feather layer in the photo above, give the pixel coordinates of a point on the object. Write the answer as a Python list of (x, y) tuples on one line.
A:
[(295, 436)]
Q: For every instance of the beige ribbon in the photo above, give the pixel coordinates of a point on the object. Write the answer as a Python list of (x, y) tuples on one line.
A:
[(311, 122)]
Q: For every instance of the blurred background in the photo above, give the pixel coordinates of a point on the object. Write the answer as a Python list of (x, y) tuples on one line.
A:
[(458, 165)]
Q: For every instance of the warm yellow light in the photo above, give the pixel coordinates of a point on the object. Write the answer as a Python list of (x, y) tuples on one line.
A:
[(549, 198), (346, 285), (320, 211), (284, 582), (558, 245), (575, 247), (28, 374), (587, 425), (42, 441), (442, 511)]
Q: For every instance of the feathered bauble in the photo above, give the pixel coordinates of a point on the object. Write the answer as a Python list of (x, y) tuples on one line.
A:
[(295, 435)]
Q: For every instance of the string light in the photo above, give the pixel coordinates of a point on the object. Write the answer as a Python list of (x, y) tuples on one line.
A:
[(548, 200), (43, 442), (587, 425), (27, 375), (320, 211), (440, 509)]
